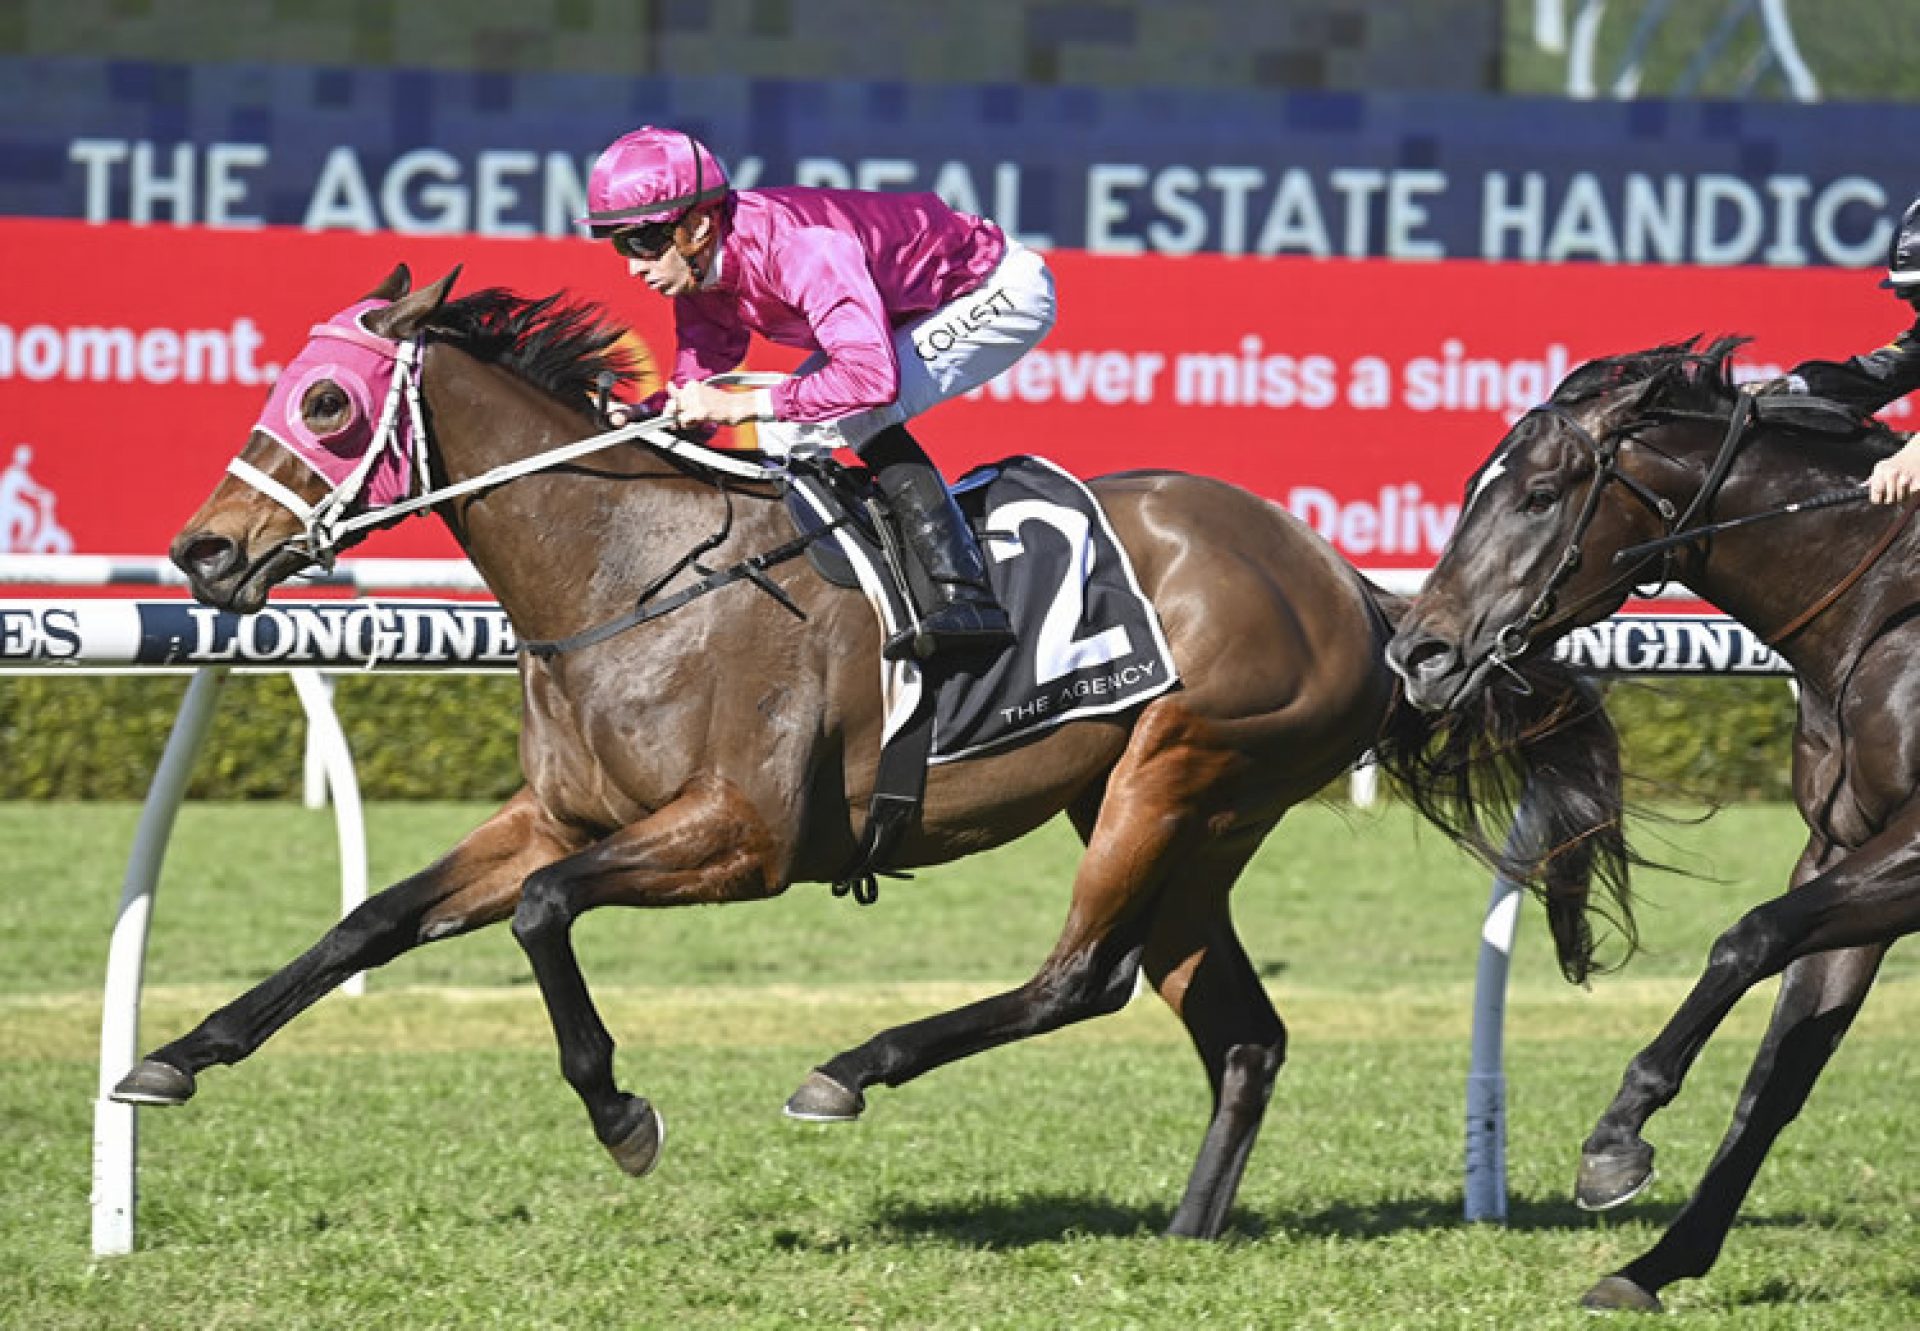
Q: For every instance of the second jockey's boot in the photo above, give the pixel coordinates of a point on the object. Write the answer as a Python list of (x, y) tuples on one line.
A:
[(959, 613)]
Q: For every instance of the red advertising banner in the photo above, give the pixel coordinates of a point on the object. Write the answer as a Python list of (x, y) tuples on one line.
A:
[(1359, 393)]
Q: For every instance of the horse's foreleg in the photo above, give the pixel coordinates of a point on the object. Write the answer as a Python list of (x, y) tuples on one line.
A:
[(707, 846), (474, 884), (1197, 965), (1863, 902), (1869, 898), (1819, 997)]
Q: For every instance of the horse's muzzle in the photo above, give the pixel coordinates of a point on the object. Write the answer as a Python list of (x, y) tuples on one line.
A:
[(220, 574), (1431, 668)]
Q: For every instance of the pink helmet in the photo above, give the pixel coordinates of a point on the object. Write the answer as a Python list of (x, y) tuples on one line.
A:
[(651, 175)]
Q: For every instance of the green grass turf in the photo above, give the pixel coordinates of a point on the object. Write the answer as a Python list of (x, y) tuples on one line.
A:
[(413, 1159)]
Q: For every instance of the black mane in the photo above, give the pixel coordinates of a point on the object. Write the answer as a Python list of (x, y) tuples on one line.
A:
[(1685, 376), (559, 347), (1688, 379)]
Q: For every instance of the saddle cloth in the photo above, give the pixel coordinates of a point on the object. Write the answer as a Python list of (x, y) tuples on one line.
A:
[(1089, 642)]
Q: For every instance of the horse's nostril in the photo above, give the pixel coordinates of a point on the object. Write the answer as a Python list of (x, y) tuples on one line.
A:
[(207, 557), (1427, 658)]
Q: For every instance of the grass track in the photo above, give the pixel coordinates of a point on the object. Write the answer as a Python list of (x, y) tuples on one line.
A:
[(413, 1159)]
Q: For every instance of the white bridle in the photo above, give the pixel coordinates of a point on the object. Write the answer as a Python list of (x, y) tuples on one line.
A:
[(329, 526)]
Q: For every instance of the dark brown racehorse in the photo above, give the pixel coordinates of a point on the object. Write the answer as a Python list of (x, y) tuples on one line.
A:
[(1580, 502), (727, 750)]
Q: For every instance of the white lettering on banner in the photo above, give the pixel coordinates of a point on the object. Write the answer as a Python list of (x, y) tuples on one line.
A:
[(1183, 209), (157, 186), (444, 201), (1251, 376), (1113, 378), (1254, 379), (951, 180), (1352, 210), (1712, 218), (118, 355), (1453, 381), (425, 192), (1399, 521)]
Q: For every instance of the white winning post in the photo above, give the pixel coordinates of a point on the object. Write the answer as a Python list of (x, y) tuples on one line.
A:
[(114, 1124)]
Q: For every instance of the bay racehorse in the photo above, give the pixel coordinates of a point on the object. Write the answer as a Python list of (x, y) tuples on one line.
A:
[(1653, 466), (727, 750)]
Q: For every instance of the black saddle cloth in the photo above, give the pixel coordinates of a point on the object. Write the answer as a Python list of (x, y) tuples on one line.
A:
[(1088, 641)]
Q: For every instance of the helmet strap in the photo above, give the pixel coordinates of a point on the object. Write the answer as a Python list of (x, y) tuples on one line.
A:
[(699, 255)]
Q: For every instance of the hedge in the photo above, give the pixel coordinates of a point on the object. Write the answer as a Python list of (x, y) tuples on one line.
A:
[(412, 736), (454, 736)]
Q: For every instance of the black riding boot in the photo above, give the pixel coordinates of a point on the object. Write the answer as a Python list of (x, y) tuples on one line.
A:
[(958, 612)]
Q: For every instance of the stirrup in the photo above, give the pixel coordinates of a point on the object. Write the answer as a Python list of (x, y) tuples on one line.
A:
[(963, 627)]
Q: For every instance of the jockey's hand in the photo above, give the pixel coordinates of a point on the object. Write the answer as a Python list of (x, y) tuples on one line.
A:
[(1894, 479), (621, 413), (698, 402)]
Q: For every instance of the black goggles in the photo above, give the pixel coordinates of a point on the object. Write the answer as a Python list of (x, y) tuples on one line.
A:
[(646, 242)]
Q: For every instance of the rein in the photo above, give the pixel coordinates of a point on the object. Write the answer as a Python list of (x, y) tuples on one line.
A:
[(1812, 612), (1826, 499), (328, 527)]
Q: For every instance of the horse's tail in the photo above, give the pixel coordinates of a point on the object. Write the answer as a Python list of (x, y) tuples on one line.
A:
[(1543, 758)]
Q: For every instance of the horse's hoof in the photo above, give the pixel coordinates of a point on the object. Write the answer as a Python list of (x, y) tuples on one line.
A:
[(1617, 1294), (636, 1141), (154, 1083), (821, 1099), (1613, 1178)]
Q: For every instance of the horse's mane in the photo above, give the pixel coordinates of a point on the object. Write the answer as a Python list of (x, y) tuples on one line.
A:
[(1687, 378), (561, 347)]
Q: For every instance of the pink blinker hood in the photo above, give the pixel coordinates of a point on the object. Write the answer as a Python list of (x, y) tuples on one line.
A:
[(361, 363)]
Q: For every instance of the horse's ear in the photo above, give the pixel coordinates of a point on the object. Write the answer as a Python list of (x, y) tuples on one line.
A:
[(409, 314), (1629, 402), (397, 284)]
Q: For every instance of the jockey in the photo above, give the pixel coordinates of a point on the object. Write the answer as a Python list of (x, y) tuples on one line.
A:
[(1870, 381), (902, 301)]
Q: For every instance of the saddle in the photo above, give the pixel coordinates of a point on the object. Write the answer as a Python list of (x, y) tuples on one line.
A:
[(1087, 641), (820, 493)]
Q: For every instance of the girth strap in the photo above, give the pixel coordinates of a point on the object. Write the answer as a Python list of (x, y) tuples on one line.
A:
[(899, 784)]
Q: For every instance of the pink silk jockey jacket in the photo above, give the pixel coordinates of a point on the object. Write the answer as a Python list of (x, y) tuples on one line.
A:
[(834, 271)]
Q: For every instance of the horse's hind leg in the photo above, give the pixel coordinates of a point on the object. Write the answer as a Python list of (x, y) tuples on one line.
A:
[(1819, 997), (474, 884), (1089, 973), (1196, 963), (1152, 808)]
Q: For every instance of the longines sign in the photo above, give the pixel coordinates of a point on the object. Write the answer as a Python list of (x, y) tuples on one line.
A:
[(438, 635), (407, 635)]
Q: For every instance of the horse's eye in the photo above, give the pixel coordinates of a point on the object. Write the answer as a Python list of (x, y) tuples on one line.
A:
[(325, 403), (1540, 499)]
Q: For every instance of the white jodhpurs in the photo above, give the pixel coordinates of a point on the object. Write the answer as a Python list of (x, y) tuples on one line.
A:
[(942, 354)]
